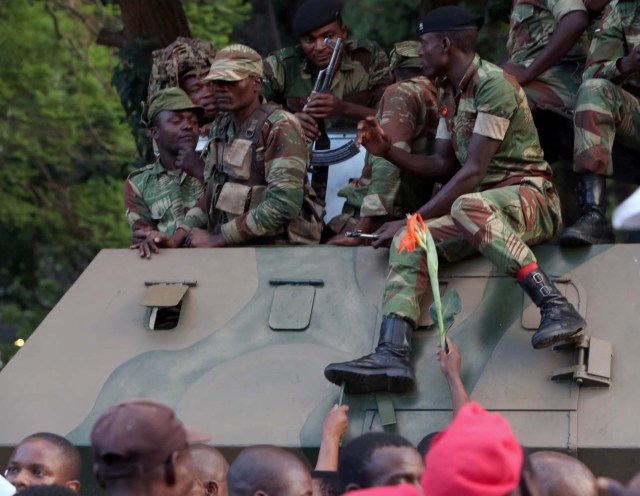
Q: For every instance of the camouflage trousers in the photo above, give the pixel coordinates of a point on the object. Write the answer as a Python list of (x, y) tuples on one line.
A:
[(604, 112), (500, 223), (555, 89)]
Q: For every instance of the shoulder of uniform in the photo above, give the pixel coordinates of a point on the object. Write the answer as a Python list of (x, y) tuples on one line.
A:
[(292, 52), (367, 45), (141, 170), (280, 114)]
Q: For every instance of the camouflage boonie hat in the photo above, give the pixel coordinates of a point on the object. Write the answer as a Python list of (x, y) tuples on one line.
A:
[(169, 99), (184, 57), (234, 63), (405, 54)]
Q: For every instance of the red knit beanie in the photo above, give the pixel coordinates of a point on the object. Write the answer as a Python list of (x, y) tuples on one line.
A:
[(477, 455)]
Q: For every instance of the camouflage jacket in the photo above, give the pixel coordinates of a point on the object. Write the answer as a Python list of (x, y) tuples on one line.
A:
[(408, 113), (163, 200), (361, 79), (532, 25), (258, 194), (491, 103), (617, 35)]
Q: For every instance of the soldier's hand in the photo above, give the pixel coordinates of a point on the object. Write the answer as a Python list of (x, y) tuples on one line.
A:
[(151, 244), (372, 137), (309, 126), (520, 72), (630, 63), (335, 423), (190, 161), (451, 362), (201, 238), (387, 232), (140, 234), (323, 105)]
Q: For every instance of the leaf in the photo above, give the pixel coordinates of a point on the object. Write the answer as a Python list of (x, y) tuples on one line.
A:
[(451, 306)]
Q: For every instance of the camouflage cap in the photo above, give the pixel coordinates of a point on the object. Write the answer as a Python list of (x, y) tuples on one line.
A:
[(170, 99), (184, 57), (314, 14), (234, 63), (405, 54), (449, 18)]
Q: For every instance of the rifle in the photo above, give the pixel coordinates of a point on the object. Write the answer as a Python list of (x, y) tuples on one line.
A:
[(321, 155)]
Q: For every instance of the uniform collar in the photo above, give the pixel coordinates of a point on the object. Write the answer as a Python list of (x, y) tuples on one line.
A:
[(468, 74)]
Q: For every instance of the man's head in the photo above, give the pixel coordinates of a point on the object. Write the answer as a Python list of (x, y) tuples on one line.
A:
[(314, 21), (140, 444), (44, 459), (378, 459), (236, 75), (184, 64), (173, 120), (268, 471), (476, 455), (404, 60), (211, 469), (446, 33), (558, 474)]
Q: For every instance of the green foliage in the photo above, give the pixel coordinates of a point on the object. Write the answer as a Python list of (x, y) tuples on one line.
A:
[(63, 155), (214, 21)]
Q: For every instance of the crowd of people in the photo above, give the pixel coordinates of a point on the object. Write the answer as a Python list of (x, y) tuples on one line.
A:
[(139, 448), (449, 136)]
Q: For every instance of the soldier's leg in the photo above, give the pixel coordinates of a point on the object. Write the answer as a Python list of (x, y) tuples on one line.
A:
[(502, 223), (604, 113), (555, 89), (389, 368)]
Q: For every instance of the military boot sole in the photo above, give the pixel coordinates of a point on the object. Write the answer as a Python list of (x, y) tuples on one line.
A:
[(359, 380), (551, 336), (571, 237)]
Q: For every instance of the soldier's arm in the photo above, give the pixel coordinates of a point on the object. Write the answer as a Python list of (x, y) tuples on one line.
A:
[(273, 81), (286, 160), (379, 78), (137, 212), (572, 20), (608, 48), (437, 166)]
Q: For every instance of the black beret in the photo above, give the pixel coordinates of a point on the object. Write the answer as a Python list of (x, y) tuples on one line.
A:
[(449, 18), (314, 14)]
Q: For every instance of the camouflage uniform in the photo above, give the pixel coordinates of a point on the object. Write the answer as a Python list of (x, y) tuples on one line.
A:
[(608, 104), (262, 195), (361, 79), (163, 200), (516, 204), (532, 25)]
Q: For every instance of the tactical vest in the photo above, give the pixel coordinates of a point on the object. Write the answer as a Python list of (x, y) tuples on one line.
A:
[(299, 88), (238, 183)]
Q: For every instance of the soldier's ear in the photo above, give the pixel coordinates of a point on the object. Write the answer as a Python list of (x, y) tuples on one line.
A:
[(153, 131)]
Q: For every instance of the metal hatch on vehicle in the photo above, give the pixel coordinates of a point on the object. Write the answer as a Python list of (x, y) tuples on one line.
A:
[(164, 302)]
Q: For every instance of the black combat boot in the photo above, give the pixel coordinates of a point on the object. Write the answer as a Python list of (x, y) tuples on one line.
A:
[(388, 369), (591, 228), (559, 320)]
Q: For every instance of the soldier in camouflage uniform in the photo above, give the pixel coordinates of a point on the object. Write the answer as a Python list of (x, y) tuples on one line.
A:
[(290, 73), (499, 200), (408, 114), (607, 109), (184, 64), (547, 47), (160, 198), (257, 189)]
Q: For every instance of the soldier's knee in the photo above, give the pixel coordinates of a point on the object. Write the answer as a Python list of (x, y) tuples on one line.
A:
[(463, 204), (594, 89)]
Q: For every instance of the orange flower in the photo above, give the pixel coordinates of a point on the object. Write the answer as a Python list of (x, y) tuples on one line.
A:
[(415, 231)]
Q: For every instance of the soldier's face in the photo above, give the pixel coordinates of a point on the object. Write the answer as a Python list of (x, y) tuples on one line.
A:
[(201, 93), (176, 129), (233, 96), (314, 47), (433, 53)]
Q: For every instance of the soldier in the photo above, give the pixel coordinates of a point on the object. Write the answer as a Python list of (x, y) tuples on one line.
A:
[(499, 199), (547, 47), (408, 114), (607, 109), (160, 199), (184, 64), (291, 72), (257, 163)]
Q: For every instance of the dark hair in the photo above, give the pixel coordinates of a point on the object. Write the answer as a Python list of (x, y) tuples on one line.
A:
[(70, 454), (355, 457), (47, 491)]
